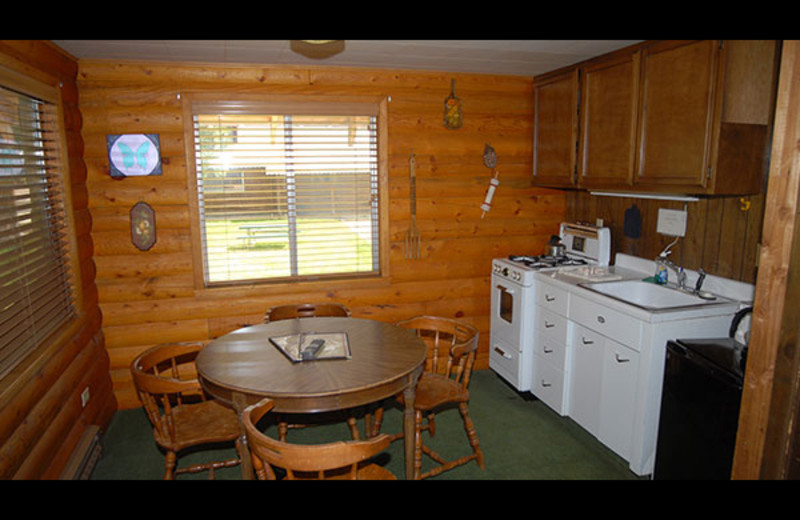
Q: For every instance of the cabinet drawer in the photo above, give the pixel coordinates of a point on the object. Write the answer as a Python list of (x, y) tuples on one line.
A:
[(551, 324), (548, 384), (607, 321), (553, 349), (552, 298)]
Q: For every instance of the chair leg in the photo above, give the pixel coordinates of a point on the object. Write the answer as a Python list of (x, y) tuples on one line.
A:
[(417, 444), (169, 465), (353, 424), (377, 421), (471, 433)]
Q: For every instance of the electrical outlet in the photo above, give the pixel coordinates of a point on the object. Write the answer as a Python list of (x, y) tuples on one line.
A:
[(671, 222), (84, 397)]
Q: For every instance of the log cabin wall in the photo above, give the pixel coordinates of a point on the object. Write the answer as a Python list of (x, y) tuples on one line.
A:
[(722, 233), (148, 297), (41, 417)]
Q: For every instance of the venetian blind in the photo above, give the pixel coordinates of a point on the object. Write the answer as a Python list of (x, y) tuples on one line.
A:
[(287, 191), (36, 292)]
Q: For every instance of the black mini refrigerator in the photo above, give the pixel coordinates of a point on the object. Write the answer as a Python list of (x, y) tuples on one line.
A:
[(699, 409)]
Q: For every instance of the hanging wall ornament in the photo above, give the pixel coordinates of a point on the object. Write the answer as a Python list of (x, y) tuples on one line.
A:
[(143, 226), (134, 155), (453, 117)]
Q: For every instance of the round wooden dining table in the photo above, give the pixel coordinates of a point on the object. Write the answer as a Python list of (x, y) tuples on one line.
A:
[(244, 366)]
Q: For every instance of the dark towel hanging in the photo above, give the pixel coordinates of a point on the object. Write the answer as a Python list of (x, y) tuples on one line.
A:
[(633, 222)]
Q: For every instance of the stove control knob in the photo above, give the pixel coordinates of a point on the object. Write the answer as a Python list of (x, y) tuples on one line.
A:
[(505, 271)]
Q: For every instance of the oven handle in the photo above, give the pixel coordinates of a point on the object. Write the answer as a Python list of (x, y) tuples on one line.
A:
[(502, 352), (506, 289)]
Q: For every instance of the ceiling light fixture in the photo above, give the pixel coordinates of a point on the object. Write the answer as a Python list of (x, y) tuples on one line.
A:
[(317, 49)]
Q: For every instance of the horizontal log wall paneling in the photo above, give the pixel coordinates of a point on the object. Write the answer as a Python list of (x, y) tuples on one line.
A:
[(722, 233), (149, 297), (41, 416)]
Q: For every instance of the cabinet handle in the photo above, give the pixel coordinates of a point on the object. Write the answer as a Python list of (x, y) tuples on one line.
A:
[(545, 384), (502, 353), (549, 325), (601, 319), (587, 341), (546, 350), (621, 360), (549, 298)]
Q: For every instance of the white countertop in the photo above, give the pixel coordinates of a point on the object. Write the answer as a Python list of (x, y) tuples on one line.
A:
[(628, 267)]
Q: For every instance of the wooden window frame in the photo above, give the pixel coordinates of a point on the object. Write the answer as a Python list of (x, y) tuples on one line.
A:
[(47, 88), (342, 103)]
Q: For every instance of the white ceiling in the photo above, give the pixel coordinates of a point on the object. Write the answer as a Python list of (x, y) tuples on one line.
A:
[(514, 57)]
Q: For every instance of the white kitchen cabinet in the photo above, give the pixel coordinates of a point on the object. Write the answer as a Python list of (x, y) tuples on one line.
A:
[(614, 361), (602, 389), (586, 378), (618, 397), (550, 359)]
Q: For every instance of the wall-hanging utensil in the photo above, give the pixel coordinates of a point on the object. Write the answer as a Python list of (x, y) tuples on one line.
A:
[(412, 235), (490, 160), (453, 117)]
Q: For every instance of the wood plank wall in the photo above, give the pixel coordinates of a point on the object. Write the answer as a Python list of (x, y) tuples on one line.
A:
[(722, 233), (41, 417), (148, 297)]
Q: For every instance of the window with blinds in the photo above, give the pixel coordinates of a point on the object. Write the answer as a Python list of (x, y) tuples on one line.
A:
[(286, 192), (36, 286)]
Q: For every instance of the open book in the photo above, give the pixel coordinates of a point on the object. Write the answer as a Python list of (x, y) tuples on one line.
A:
[(312, 346)]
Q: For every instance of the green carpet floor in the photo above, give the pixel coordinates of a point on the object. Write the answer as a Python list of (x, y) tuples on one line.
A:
[(521, 439)]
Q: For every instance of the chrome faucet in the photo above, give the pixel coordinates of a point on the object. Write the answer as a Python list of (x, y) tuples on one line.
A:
[(679, 271)]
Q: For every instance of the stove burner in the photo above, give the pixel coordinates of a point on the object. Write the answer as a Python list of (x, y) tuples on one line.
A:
[(546, 260)]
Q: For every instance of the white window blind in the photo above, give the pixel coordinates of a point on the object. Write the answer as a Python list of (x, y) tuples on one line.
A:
[(286, 192), (36, 287)]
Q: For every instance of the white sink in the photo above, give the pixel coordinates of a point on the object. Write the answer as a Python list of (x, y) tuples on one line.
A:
[(651, 296)]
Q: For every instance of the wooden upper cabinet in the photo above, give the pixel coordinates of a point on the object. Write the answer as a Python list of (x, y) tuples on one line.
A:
[(677, 117), (555, 129), (681, 117), (608, 113)]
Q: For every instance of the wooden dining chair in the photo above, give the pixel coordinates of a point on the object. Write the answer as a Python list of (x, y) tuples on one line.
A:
[(181, 414), (309, 310), (451, 354), (348, 460), (306, 310)]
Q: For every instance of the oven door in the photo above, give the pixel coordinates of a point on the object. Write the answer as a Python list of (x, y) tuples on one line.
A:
[(506, 320)]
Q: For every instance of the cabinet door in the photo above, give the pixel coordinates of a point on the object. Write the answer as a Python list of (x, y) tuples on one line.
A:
[(555, 130), (585, 378), (609, 108), (677, 119), (618, 397)]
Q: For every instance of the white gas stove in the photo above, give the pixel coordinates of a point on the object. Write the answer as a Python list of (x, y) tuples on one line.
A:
[(587, 250)]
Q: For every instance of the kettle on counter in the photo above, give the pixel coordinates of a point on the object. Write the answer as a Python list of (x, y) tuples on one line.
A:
[(555, 247)]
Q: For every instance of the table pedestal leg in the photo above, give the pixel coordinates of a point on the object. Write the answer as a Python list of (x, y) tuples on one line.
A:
[(239, 404), (409, 439)]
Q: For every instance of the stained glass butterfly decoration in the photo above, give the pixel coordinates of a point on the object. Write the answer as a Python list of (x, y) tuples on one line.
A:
[(134, 155)]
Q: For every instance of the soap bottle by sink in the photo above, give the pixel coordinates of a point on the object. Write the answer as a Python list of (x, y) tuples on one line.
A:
[(661, 274)]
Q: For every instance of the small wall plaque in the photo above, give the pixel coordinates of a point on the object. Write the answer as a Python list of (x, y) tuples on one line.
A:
[(132, 155), (143, 226)]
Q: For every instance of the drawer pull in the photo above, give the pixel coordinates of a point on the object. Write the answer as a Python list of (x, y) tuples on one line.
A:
[(621, 360), (549, 298), (601, 319), (547, 350), (587, 341), (502, 353), (548, 325), (545, 384)]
